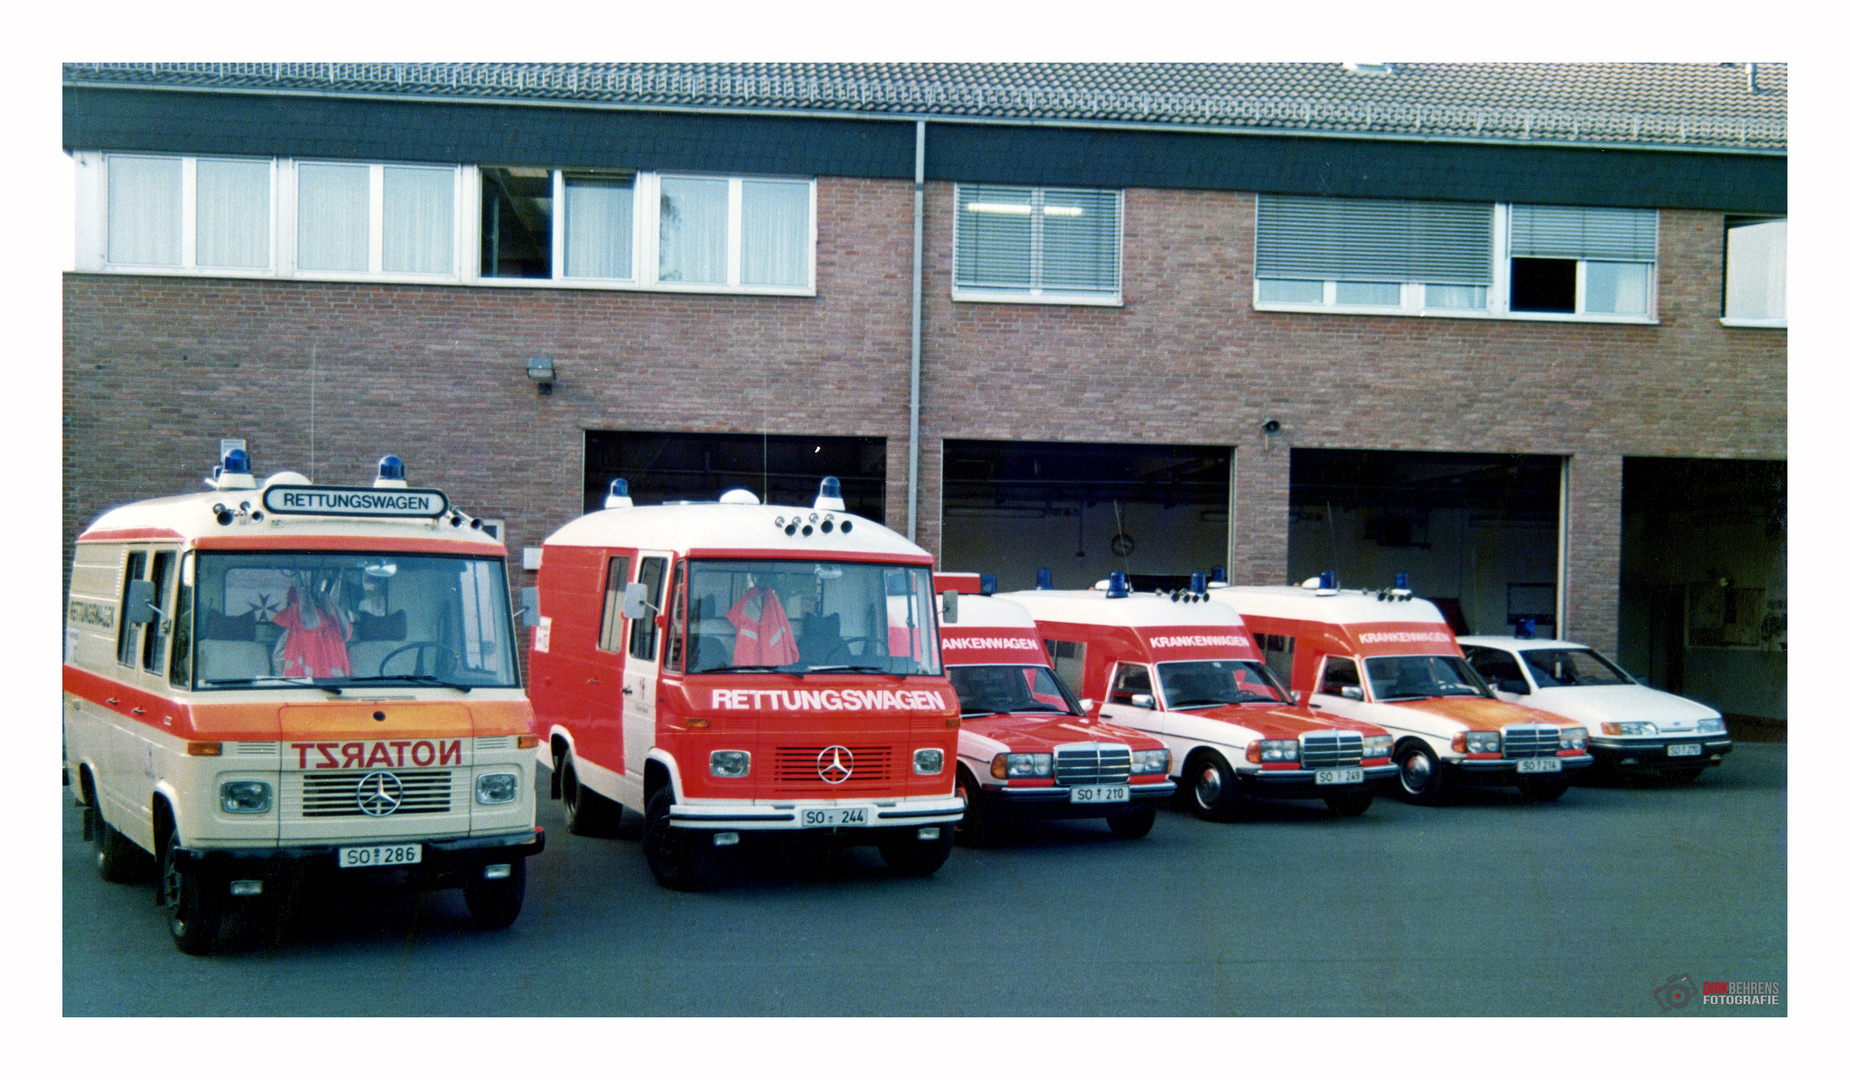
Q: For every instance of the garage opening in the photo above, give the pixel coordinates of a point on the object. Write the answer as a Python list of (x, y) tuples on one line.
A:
[(1082, 510), (1702, 584), (671, 466), (1478, 534)]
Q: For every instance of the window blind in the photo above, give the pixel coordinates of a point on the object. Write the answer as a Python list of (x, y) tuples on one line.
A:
[(1583, 232), (1054, 239), (1373, 240)]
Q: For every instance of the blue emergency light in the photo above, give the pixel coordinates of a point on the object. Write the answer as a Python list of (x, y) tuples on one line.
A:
[(1043, 578), (391, 467), (1327, 580), (986, 584), (1117, 585), (829, 498), (619, 494), (1198, 582)]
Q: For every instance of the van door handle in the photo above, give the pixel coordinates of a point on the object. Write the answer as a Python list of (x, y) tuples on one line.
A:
[(114, 701), (627, 690), (139, 711)]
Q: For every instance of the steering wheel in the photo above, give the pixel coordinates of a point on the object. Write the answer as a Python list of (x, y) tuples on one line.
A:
[(843, 648), (417, 665)]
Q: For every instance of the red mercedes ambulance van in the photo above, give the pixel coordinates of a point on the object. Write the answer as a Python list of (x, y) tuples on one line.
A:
[(270, 680), (733, 669)]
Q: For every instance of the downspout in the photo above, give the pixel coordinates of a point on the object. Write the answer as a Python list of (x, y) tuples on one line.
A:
[(918, 268)]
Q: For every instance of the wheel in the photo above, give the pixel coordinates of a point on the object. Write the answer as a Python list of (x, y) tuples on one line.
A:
[(494, 903), (912, 857), (1213, 792), (1542, 790), (1133, 824), (1349, 803), (417, 661), (117, 857), (1421, 780), (679, 861), (586, 812), (1681, 777), (193, 908), (975, 830)]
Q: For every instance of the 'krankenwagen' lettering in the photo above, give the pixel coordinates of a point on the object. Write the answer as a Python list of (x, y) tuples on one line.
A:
[(827, 700), (1183, 641), (1381, 637), (991, 643)]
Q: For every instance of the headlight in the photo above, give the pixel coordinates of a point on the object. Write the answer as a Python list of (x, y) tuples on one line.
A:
[(1629, 727), (244, 797), (1260, 751), (1573, 738), (1016, 766), (1378, 746), (729, 763), (1711, 726), (1149, 762), (927, 761), (1477, 742), (500, 787)]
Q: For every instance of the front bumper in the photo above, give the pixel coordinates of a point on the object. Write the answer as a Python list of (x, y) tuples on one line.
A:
[(1653, 752), (1057, 802), (445, 863), (1302, 783), (765, 817), (1504, 772)]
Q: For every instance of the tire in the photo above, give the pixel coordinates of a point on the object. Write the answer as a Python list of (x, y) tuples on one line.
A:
[(1350, 803), (494, 903), (586, 812), (192, 907), (117, 857), (912, 857), (1212, 791), (1542, 790), (1421, 779), (1133, 824), (975, 830), (679, 861)]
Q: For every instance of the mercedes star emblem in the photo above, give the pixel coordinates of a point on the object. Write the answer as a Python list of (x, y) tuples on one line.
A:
[(835, 764), (379, 793)]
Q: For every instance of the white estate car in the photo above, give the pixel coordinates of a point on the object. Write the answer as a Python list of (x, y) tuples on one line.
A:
[(1630, 726)]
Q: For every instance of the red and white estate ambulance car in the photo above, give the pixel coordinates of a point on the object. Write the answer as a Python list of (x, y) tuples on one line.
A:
[(1390, 659), (733, 669), (264, 681), (1026, 748), (1181, 667)]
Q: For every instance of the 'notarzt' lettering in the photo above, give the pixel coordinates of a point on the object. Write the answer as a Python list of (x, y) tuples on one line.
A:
[(827, 700), (393, 754)]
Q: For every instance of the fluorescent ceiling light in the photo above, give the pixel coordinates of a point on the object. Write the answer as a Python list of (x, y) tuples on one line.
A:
[(998, 208)]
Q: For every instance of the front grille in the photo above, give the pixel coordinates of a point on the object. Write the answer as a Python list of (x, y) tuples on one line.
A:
[(254, 749), (1091, 763), (1328, 749), (1531, 740), (795, 766), (335, 794)]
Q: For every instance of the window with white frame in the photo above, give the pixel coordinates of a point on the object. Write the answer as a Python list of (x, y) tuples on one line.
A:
[(187, 213), (1059, 245), (1756, 276), (733, 232), (375, 219), (548, 224), (1434, 258)]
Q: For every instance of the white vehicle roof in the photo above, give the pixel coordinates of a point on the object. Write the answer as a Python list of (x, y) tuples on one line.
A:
[(1344, 606), (717, 527), (1093, 606), (1517, 644), (988, 611)]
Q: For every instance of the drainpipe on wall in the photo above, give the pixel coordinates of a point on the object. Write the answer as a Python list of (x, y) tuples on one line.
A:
[(918, 266)]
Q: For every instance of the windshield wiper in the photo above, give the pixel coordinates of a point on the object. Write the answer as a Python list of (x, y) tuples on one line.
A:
[(738, 667), (273, 680), (420, 680), (878, 670)]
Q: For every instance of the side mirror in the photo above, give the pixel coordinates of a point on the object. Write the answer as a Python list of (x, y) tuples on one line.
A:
[(139, 603), (530, 606), (950, 606), (636, 600), (1085, 705), (1299, 697), (1353, 693), (1144, 701)]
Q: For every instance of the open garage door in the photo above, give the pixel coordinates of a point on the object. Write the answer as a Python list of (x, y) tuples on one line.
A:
[(1478, 534), (667, 466), (1082, 510)]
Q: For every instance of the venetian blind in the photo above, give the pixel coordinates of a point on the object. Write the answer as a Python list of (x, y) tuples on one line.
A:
[(1394, 240)]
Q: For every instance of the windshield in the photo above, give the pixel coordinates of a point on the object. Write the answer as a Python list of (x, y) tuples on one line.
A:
[(335, 619), (1199, 684), (800, 616), (1572, 667), (1009, 688), (1407, 678)]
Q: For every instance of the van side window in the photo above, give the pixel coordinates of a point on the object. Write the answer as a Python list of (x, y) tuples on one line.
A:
[(1278, 651), (1069, 660), (180, 668), (610, 633), (677, 618), (154, 638), (128, 635), (644, 631), (1130, 681), (1338, 672)]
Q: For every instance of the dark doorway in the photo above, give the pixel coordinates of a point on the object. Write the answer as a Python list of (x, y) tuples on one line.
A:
[(666, 466)]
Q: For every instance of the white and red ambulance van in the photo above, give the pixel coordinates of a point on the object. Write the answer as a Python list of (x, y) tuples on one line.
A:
[(733, 669), (1026, 748), (1182, 668), (1388, 658), (265, 681)]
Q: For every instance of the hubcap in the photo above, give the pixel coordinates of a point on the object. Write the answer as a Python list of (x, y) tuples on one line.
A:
[(1415, 772), (1207, 786)]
